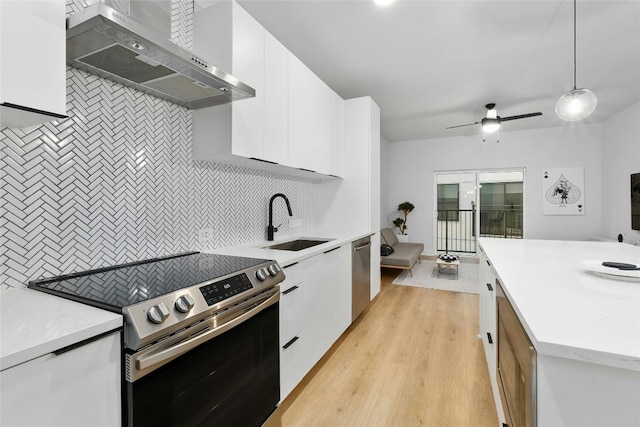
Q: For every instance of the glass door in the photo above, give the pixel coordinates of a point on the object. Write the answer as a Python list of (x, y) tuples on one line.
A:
[(501, 204), (456, 212), (473, 204)]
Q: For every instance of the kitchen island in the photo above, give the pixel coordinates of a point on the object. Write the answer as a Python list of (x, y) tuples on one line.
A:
[(584, 325)]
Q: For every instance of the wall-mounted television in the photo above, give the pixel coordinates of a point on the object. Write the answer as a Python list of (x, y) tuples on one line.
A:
[(635, 201)]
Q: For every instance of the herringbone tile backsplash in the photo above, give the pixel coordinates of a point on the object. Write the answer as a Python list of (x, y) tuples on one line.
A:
[(116, 182)]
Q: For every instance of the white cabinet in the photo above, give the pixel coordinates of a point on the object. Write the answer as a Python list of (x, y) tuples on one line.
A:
[(247, 118), (80, 387), (336, 163), (488, 319), (315, 309), (295, 123), (276, 102), (236, 128), (359, 192), (32, 64), (310, 118), (327, 304), (489, 323), (292, 356)]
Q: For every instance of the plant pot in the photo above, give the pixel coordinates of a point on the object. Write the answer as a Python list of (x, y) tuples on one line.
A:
[(403, 238)]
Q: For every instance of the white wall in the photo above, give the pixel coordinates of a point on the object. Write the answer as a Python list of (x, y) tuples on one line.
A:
[(620, 158), (409, 168)]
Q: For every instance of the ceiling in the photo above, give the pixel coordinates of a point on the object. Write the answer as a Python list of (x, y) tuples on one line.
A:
[(434, 64)]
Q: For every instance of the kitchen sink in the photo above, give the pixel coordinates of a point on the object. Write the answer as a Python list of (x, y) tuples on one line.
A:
[(297, 245)]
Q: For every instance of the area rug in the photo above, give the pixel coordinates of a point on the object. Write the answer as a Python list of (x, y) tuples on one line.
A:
[(426, 275)]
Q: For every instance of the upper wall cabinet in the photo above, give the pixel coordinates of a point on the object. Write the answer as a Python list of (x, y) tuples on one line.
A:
[(290, 126), (276, 106), (310, 114), (32, 70), (254, 128), (337, 137), (226, 34), (316, 122)]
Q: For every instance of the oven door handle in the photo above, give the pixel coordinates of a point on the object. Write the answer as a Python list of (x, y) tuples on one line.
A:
[(149, 360)]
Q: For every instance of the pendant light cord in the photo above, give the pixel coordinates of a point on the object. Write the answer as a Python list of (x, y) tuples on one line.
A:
[(574, 45)]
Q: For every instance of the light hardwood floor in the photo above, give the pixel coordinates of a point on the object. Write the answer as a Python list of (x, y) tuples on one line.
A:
[(411, 359)]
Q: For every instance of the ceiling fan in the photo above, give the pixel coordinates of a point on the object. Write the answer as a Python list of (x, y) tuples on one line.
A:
[(492, 122)]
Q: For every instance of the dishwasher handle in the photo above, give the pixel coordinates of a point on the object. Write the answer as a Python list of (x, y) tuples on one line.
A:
[(358, 248)]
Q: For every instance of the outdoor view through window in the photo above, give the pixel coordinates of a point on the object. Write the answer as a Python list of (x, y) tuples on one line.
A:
[(464, 213)]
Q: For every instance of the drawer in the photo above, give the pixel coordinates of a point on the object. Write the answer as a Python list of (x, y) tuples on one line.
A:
[(293, 275), (291, 311), (293, 365)]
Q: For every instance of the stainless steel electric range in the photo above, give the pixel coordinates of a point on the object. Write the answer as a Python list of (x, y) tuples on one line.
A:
[(200, 339)]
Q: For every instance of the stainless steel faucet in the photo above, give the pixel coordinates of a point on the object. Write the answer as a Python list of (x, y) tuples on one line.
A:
[(271, 229)]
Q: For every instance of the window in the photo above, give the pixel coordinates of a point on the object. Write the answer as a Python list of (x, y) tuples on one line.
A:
[(448, 202), (501, 209)]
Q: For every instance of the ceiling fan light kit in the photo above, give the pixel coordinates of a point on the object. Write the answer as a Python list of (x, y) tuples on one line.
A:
[(576, 104), (491, 123)]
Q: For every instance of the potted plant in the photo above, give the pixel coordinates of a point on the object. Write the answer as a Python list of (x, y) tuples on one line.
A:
[(401, 223)]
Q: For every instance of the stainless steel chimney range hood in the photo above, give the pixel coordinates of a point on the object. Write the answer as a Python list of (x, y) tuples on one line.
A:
[(110, 44)]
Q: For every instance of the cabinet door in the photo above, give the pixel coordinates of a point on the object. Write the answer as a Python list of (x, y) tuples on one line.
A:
[(294, 365), (291, 304), (337, 137), (32, 70), (80, 387), (487, 284), (276, 101), (292, 353), (310, 111), (337, 285), (327, 312), (247, 122)]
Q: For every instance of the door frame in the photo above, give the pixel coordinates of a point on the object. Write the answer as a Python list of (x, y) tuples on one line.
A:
[(477, 173)]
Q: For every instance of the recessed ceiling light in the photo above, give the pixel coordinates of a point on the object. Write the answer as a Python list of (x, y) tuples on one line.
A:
[(383, 2), (137, 45)]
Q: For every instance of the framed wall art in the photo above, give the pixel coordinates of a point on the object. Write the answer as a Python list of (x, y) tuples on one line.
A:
[(563, 191)]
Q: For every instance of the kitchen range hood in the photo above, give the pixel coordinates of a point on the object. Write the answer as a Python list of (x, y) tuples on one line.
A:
[(110, 44)]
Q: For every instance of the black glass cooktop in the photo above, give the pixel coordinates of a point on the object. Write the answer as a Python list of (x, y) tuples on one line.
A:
[(113, 288)]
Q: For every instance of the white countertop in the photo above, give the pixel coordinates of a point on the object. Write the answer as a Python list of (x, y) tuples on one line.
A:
[(285, 258), (34, 323), (567, 310)]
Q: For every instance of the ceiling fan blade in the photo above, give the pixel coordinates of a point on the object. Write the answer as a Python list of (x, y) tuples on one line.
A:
[(521, 116), (459, 126)]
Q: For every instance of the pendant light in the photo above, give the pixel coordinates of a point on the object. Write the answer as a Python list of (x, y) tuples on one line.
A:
[(575, 104)]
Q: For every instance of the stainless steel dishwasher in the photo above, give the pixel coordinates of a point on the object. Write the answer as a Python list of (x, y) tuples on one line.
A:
[(361, 276)]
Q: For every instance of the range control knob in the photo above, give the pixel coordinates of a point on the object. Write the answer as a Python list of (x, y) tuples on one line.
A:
[(158, 313), (262, 274), (184, 303), (273, 269)]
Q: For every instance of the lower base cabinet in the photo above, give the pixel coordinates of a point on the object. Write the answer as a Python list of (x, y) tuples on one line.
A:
[(80, 387), (294, 364), (315, 309)]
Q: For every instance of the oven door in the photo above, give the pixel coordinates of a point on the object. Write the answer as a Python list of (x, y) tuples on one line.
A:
[(231, 379)]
